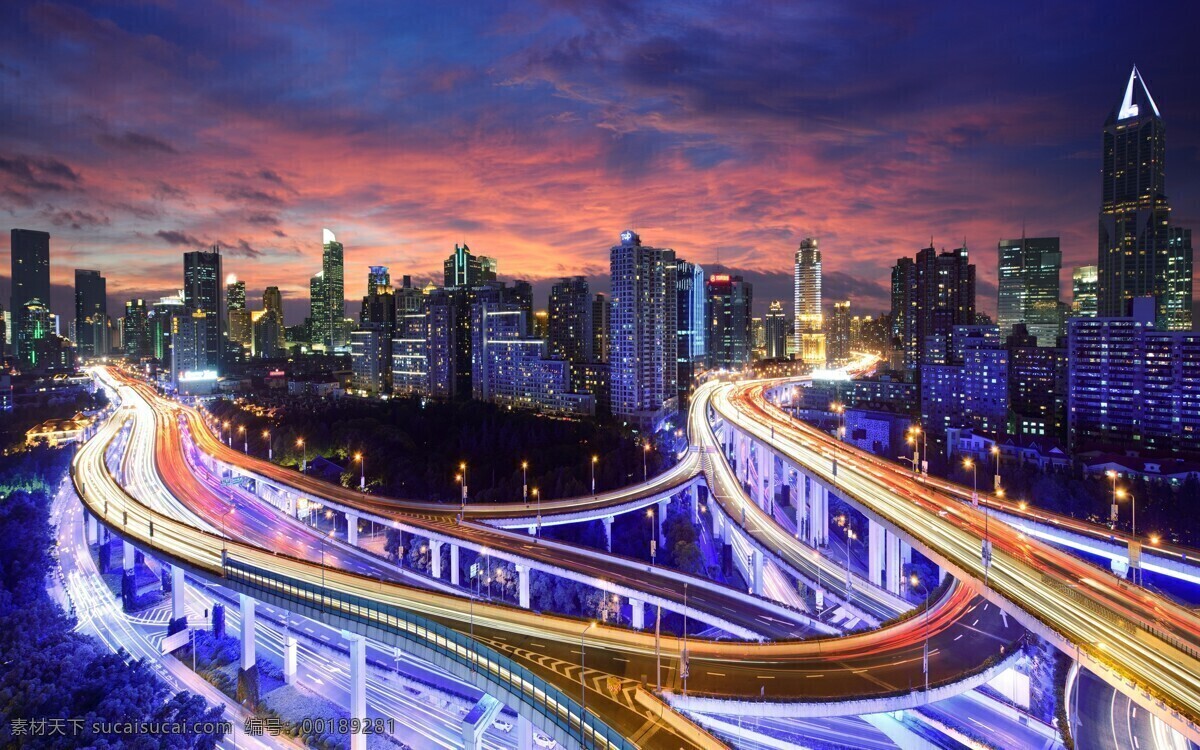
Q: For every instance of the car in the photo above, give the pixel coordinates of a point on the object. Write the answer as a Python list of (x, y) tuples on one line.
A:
[(502, 725), (542, 740)]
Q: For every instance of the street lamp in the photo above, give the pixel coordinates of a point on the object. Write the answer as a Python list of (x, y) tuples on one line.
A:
[(653, 536), (915, 582), (270, 447), (996, 455), (840, 410), (914, 432), (1112, 518), (595, 460), (850, 537), (987, 540), (525, 482), (362, 472), (1121, 495), (324, 537), (245, 439), (645, 452), (463, 468), (537, 498), (228, 438), (304, 459), (583, 679)]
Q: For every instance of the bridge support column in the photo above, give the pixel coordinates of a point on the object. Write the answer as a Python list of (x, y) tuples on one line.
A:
[(694, 501), (524, 733), (358, 686), (819, 514), (893, 563), (662, 515), (352, 529), (128, 556), (768, 476), (756, 581), (178, 601), (92, 528), (289, 659), (435, 559), (875, 550), (608, 522), (523, 586), (637, 614), (247, 609), (454, 564)]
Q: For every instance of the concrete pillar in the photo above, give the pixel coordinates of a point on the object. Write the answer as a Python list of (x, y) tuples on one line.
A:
[(875, 549), (128, 556), (178, 595), (92, 528), (608, 522), (905, 554), (289, 660), (662, 515), (358, 686), (524, 733), (820, 518), (893, 564), (637, 615), (247, 608), (352, 529), (523, 586), (454, 564), (756, 557), (435, 558), (694, 501)]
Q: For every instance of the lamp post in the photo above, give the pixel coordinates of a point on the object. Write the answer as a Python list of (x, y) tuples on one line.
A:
[(1112, 517), (916, 432), (583, 679), (1121, 495), (525, 482), (987, 540), (270, 447), (362, 472), (595, 460), (324, 536), (537, 498), (228, 437), (304, 455), (645, 453), (245, 439), (915, 582), (840, 410), (653, 536), (463, 468), (850, 537), (995, 451)]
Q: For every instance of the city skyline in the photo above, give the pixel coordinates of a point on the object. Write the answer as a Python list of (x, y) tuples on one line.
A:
[(840, 162)]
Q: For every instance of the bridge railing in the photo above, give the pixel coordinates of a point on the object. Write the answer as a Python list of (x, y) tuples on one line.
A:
[(545, 698)]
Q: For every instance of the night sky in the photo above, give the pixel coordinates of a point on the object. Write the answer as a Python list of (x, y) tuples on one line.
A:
[(537, 131)]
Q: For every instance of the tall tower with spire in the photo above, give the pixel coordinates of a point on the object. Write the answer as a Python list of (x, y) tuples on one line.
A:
[(1137, 257)]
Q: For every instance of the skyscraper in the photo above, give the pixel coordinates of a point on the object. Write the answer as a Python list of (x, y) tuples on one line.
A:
[(729, 336), (1137, 257), (135, 335), (333, 285), (464, 269), (1083, 292), (202, 292), (267, 326), (410, 368), (776, 330), (644, 331), (570, 320), (1028, 287), (838, 337), (91, 313), (30, 278), (691, 323), (931, 295), (238, 316), (319, 331), (809, 321), (379, 303)]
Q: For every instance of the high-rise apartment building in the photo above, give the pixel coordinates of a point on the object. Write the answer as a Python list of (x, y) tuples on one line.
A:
[(202, 281), (328, 295), (91, 313), (1137, 257), (269, 337), (1084, 281), (1132, 387), (730, 299), (644, 330), (809, 315), (570, 320), (601, 327), (969, 388), (930, 295), (837, 337), (464, 269), (776, 330), (30, 251), (1037, 387), (410, 345), (1028, 287)]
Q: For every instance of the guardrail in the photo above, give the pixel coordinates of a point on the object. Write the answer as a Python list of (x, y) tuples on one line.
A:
[(550, 702)]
